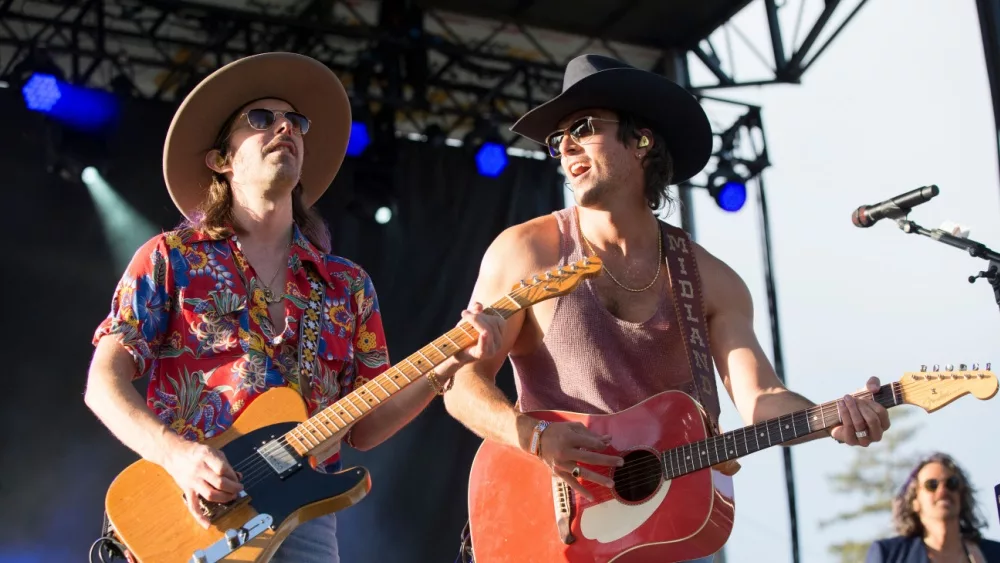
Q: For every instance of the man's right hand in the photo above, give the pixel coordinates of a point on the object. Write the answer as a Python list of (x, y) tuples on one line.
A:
[(563, 445), (201, 471)]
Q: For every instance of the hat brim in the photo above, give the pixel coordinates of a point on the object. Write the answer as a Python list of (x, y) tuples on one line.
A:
[(305, 83), (675, 113)]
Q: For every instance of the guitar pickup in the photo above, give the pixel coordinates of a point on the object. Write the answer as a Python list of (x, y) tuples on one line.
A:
[(233, 540), (562, 498)]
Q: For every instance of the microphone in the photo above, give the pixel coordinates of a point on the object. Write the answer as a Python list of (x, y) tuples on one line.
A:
[(867, 215)]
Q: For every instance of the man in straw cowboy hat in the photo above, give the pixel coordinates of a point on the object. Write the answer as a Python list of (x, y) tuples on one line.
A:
[(622, 136), (213, 312)]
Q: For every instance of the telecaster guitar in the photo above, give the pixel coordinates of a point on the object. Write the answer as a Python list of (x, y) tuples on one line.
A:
[(663, 507), (271, 443)]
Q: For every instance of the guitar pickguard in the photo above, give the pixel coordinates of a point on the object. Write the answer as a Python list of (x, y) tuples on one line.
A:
[(612, 519)]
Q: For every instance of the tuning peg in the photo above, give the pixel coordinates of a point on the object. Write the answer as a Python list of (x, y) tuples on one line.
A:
[(962, 367), (936, 368), (949, 367), (987, 366), (975, 367), (923, 367)]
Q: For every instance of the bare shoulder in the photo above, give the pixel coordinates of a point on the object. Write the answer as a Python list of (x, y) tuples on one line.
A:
[(725, 290), (518, 252)]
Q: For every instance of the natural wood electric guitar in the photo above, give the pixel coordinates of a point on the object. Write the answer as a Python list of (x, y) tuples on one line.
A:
[(663, 508), (270, 444)]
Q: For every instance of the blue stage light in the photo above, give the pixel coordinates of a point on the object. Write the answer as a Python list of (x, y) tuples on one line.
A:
[(75, 106), (491, 159), (731, 196), (359, 139)]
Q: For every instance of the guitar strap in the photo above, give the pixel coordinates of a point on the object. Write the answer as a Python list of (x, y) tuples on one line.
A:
[(689, 306), (309, 330)]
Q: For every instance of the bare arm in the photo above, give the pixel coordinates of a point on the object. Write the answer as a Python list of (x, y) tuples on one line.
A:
[(113, 398), (391, 417), (478, 403), (747, 373), (475, 400)]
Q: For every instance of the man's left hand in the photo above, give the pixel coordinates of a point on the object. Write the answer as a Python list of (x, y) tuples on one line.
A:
[(490, 327), (864, 420)]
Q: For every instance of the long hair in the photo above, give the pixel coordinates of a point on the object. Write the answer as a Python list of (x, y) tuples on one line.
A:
[(907, 522), (215, 217), (658, 164)]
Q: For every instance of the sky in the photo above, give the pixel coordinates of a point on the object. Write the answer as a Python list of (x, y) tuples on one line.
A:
[(900, 100)]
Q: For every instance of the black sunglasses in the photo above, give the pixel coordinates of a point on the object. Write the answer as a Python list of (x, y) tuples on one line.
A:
[(262, 119), (951, 483), (579, 129)]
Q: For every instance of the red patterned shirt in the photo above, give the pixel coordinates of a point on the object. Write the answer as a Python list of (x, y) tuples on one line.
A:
[(206, 340)]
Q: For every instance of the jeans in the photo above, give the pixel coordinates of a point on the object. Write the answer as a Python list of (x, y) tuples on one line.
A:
[(312, 542)]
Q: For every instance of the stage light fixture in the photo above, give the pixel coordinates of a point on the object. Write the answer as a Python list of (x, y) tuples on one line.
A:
[(727, 187), (491, 159), (359, 140), (74, 106)]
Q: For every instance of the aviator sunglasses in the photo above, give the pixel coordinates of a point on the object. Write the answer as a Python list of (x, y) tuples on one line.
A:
[(262, 119), (951, 483), (579, 129)]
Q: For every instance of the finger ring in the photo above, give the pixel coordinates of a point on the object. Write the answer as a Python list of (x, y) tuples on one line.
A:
[(576, 471), (861, 433)]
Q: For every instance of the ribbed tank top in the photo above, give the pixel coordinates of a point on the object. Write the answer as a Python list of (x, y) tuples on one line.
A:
[(591, 361)]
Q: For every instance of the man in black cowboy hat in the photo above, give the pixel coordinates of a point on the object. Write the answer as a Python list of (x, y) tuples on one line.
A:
[(246, 296), (622, 136)]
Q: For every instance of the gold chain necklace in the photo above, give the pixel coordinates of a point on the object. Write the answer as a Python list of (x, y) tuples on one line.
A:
[(269, 295), (659, 257)]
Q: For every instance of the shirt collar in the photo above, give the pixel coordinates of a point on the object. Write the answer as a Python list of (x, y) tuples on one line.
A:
[(302, 250)]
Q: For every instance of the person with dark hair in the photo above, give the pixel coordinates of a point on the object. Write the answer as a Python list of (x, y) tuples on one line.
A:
[(937, 519), (246, 296), (622, 135)]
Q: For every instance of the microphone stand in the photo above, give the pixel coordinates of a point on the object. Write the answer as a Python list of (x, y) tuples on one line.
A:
[(975, 249)]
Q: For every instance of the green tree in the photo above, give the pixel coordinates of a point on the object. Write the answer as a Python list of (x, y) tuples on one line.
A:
[(874, 476)]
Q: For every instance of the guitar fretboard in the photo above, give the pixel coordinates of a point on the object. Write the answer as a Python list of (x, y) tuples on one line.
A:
[(339, 416), (749, 439)]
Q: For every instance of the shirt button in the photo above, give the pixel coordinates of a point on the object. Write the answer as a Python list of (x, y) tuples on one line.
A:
[(329, 357)]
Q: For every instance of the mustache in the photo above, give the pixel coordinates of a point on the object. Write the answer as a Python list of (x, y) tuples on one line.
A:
[(273, 145)]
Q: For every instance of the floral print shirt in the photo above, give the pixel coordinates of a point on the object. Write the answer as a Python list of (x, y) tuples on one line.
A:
[(205, 338)]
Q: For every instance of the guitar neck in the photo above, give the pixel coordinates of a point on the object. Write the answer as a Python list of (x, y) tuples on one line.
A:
[(339, 416), (776, 431)]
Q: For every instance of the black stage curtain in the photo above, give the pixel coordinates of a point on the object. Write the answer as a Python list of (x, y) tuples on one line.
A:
[(58, 459)]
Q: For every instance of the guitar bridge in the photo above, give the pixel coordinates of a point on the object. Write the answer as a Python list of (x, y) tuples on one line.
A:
[(233, 540), (562, 498)]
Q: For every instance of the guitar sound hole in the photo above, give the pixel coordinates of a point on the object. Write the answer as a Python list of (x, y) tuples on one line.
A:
[(639, 477)]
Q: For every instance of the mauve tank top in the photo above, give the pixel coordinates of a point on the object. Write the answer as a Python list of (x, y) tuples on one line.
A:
[(590, 361)]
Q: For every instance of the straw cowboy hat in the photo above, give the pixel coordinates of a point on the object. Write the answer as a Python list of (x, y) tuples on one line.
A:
[(305, 83), (595, 81)]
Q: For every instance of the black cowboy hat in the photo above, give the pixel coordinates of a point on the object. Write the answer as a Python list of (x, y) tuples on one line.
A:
[(595, 81)]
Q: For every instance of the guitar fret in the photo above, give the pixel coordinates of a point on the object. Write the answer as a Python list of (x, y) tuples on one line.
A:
[(421, 352), (452, 340), (390, 380), (412, 365), (323, 413), (384, 390), (343, 423), (511, 299)]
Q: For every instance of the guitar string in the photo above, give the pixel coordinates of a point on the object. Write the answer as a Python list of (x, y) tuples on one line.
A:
[(604, 493), (256, 468), (643, 469), (255, 465)]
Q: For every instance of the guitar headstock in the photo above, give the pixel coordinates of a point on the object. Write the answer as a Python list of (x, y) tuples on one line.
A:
[(557, 281), (935, 388)]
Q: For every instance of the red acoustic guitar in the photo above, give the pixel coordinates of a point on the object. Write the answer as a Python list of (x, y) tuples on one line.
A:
[(670, 502)]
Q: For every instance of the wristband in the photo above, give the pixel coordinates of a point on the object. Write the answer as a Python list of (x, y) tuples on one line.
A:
[(536, 437)]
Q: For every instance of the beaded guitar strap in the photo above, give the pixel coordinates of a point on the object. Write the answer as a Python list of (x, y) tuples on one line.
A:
[(689, 305)]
